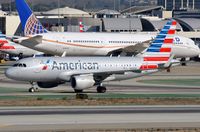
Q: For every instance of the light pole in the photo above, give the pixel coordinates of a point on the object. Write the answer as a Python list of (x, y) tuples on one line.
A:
[(181, 4), (165, 4), (119, 5), (174, 4), (58, 12), (187, 4), (193, 4), (114, 5), (10, 6), (130, 15)]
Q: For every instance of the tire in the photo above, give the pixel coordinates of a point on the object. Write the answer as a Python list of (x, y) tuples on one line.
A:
[(31, 90), (20, 55), (101, 89)]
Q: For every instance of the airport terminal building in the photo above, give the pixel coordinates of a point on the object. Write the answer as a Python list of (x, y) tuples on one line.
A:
[(179, 4)]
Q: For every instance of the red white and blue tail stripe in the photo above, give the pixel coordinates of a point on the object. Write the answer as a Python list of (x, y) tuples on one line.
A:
[(160, 49), (81, 26)]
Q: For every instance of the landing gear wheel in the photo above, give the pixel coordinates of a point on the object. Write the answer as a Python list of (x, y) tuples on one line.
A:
[(37, 89), (101, 89), (183, 62), (31, 90), (78, 90), (20, 56)]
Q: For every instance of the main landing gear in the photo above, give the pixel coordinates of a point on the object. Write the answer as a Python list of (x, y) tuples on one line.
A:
[(33, 88), (78, 90), (101, 89)]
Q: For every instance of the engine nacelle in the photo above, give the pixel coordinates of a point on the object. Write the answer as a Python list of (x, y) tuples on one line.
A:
[(47, 84), (82, 82)]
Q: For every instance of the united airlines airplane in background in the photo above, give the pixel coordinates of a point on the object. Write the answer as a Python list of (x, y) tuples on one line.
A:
[(38, 38), (86, 72), (11, 48)]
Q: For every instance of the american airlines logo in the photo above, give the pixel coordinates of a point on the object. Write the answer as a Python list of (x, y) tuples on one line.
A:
[(45, 67), (75, 66)]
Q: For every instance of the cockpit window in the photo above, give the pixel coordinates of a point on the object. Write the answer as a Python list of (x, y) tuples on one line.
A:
[(19, 65)]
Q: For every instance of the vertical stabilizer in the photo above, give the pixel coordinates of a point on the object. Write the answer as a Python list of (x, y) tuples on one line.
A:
[(30, 24), (159, 51)]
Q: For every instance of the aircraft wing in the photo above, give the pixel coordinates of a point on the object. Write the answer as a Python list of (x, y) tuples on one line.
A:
[(98, 76), (29, 41), (132, 49)]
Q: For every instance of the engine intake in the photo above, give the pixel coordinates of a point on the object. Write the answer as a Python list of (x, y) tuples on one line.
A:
[(82, 82)]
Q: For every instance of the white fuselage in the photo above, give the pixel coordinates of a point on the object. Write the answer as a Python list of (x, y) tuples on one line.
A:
[(76, 44)]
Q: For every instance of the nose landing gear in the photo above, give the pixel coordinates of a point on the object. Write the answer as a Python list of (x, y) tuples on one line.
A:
[(33, 88)]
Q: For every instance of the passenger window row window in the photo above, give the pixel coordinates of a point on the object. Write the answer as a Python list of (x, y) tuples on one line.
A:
[(86, 41), (130, 42), (95, 41), (118, 65)]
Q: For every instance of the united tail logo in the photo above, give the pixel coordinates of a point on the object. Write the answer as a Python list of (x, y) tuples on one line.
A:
[(160, 49), (30, 24), (33, 26)]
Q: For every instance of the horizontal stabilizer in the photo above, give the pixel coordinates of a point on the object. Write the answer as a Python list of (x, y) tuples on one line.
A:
[(132, 49), (171, 62), (30, 42), (137, 48)]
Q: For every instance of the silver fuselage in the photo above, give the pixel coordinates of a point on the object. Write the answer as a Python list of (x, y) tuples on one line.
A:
[(51, 69)]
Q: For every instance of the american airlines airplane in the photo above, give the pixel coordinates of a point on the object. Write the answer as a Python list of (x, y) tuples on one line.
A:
[(75, 44), (8, 47), (86, 72)]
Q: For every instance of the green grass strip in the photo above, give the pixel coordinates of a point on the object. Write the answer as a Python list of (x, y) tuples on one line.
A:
[(100, 96), (187, 82)]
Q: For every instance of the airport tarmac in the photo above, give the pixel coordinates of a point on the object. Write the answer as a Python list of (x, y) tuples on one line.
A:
[(61, 118), (97, 117)]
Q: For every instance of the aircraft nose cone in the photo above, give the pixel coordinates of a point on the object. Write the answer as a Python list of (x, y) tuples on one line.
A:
[(197, 51), (10, 73)]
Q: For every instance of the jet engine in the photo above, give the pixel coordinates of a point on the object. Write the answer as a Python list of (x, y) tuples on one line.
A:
[(82, 82), (47, 84)]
